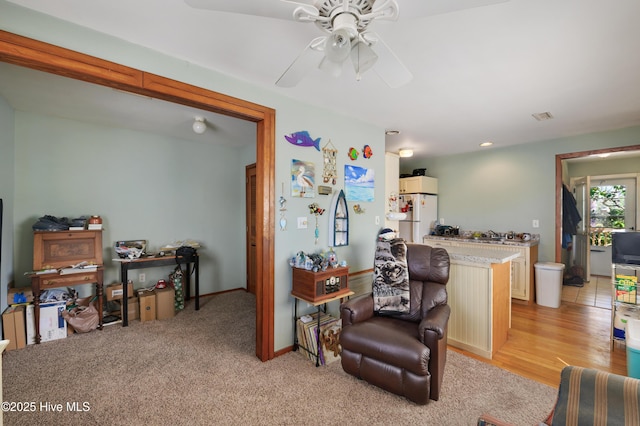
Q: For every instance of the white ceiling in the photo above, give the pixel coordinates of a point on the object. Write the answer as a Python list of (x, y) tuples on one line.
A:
[(479, 73)]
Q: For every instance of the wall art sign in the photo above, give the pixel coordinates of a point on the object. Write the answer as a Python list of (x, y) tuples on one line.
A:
[(359, 183), (303, 179)]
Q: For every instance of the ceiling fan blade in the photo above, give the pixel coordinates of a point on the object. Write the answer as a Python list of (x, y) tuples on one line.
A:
[(418, 9), (279, 9), (388, 66), (306, 61)]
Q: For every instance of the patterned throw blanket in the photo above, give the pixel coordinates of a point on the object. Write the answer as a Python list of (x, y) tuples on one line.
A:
[(391, 277)]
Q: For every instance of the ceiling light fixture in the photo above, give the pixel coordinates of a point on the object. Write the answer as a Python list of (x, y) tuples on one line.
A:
[(405, 153), (486, 144), (199, 126), (391, 132)]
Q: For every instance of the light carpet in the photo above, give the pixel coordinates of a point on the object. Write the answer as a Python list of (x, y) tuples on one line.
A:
[(200, 368)]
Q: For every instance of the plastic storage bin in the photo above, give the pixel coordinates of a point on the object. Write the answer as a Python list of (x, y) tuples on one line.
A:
[(633, 348), (549, 283)]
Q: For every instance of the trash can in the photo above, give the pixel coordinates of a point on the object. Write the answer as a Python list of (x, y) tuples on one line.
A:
[(633, 348), (549, 283)]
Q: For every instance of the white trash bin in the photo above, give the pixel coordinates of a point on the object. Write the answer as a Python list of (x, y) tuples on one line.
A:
[(549, 283)]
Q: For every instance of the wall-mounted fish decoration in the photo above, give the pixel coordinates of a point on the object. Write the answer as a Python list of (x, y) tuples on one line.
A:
[(367, 152), (353, 154), (303, 138)]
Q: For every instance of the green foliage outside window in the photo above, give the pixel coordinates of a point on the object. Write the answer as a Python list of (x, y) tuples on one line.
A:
[(607, 212)]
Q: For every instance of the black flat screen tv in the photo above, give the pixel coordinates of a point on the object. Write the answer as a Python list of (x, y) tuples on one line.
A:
[(625, 248)]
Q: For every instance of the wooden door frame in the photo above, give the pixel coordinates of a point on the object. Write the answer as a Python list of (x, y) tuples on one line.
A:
[(249, 170), (559, 182), (34, 54)]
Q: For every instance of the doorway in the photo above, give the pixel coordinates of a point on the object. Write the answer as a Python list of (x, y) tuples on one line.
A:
[(589, 294), (18, 50)]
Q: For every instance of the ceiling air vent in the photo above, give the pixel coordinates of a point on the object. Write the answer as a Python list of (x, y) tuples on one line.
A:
[(541, 116)]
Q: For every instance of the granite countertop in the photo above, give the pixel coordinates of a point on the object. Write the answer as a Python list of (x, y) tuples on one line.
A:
[(535, 240), (480, 255)]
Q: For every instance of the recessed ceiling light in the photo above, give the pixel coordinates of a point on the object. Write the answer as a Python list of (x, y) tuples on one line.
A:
[(392, 132), (405, 152), (485, 144), (542, 116)]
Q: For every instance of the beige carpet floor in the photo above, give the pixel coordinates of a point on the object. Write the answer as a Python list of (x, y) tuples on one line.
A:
[(200, 368)]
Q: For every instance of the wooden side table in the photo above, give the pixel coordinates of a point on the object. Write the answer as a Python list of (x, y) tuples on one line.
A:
[(318, 289), (151, 262)]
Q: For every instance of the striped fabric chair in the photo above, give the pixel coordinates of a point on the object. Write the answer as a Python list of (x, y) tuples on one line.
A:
[(590, 397)]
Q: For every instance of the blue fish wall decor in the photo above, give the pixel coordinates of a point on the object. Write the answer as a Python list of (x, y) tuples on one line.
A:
[(303, 139)]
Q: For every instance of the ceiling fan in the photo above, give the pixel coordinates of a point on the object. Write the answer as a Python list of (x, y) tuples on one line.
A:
[(345, 23)]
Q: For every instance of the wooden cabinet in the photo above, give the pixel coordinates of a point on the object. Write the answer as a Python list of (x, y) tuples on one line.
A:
[(419, 184), (522, 267), (480, 307), (314, 287), (59, 249)]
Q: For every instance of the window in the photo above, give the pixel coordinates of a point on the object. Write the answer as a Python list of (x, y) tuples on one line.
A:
[(608, 208)]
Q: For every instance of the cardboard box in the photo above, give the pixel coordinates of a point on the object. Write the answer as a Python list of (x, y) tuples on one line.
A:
[(165, 303), (52, 324), (13, 324), (114, 291), (626, 288), (133, 309), (147, 306), (19, 295)]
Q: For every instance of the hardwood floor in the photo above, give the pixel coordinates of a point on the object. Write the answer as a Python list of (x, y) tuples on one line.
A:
[(542, 339)]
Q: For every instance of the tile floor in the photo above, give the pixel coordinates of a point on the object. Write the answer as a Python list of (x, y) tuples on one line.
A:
[(596, 292)]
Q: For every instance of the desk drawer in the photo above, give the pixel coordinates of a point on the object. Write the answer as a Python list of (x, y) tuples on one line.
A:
[(68, 280)]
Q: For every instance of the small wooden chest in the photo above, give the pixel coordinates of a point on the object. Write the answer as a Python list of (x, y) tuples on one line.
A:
[(317, 286)]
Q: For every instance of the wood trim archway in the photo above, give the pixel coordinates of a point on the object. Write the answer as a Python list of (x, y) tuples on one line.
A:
[(567, 156), (46, 57)]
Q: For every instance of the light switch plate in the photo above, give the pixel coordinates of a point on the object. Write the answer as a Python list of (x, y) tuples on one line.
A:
[(302, 223)]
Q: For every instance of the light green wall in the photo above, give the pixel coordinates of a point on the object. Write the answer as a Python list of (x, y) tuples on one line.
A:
[(604, 166), (145, 186), (504, 189), (7, 195), (145, 220)]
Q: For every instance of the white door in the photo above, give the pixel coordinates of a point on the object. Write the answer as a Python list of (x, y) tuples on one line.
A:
[(581, 246)]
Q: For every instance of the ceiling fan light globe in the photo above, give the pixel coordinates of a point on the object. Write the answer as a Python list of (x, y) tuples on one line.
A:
[(338, 46)]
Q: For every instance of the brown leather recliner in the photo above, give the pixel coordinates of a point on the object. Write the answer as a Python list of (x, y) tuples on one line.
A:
[(406, 353)]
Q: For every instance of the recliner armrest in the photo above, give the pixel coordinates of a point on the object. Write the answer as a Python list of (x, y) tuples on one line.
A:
[(356, 310), (436, 321)]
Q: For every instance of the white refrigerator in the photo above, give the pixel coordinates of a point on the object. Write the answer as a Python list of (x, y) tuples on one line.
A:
[(422, 214)]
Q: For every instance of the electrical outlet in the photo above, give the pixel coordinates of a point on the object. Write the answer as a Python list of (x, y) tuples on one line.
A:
[(377, 220), (442, 221), (536, 223), (142, 278)]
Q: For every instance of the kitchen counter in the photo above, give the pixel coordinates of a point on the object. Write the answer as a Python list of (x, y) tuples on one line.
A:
[(479, 293), (516, 242), (522, 267), (480, 255)]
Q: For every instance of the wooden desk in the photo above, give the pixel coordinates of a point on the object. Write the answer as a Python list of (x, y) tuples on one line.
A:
[(151, 262), (41, 282)]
